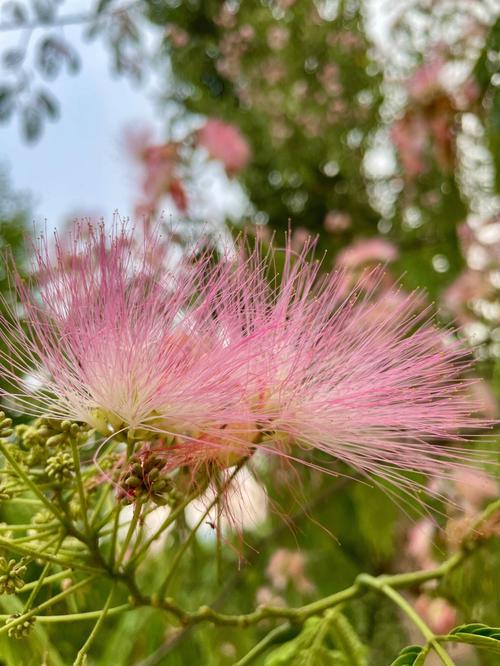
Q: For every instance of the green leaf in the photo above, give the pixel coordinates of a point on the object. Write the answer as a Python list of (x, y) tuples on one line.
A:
[(286, 653), (316, 655), (31, 123), (479, 635), (49, 104), (346, 639), (408, 656), (7, 102), (102, 5)]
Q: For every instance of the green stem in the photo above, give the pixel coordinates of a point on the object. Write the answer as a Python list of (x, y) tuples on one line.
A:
[(183, 548), (32, 486), (130, 532), (27, 526), (114, 537), (99, 504), (81, 656), (46, 604), (78, 617), (24, 500), (34, 537), (277, 635), (43, 575), (46, 580), (47, 557), (400, 601), (79, 483), (172, 516)]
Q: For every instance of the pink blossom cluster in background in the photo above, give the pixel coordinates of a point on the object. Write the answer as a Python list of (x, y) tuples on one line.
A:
[(467, 492), (269, 84), (224, 142), (427, 128), (473, 299), (166, 166)]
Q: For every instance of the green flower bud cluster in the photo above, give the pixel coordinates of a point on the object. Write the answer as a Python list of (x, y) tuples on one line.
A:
[(44, 436), (60, 466), (5, 425), (42, 517), (144, 478), (11, 575), (6, 491), (21, 630)]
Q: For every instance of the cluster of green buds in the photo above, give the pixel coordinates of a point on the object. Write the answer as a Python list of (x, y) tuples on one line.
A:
[(41, 438), (144, 478), (11, 575), (6, 491), (46, 442), (5, 425), (22, 629), (60, 466)]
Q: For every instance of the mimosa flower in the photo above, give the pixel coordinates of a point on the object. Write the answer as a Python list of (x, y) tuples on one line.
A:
[(216, 358)]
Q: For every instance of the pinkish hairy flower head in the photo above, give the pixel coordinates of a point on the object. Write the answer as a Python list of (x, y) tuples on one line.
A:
[(215, 358)]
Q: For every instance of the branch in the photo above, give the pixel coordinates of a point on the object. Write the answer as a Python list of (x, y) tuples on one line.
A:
[(356, 590), (67, 19)]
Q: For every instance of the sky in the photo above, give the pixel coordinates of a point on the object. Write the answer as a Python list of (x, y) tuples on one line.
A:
[(80, 166)]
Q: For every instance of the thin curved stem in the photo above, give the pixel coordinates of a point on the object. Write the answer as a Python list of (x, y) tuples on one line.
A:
[(76, 617), (172, 516), (407, 609), (277, 635), (43, 575), (48, 557), (82, 653), (79, 484), (130, 532), (46, 604), (30, 484)]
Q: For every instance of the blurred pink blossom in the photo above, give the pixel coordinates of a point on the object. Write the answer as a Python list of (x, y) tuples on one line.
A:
[(160, 163), (420, 540), (483, 396), (336, 221), (475, 487), (277, 37), (287, 567), (225, 142), (469, 285), (367, 251), (409, 136), (425, 81), (266, 596), (176, 35), (438, 613)]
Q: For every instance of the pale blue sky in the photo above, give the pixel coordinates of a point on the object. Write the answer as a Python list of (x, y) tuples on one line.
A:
[(79, 163)]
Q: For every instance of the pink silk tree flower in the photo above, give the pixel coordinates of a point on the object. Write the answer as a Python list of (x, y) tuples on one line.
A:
[(379, 388), (225, 142), (106, 325), (215, 358)]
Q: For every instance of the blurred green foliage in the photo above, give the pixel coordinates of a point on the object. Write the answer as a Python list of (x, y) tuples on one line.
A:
[(313, 98)]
